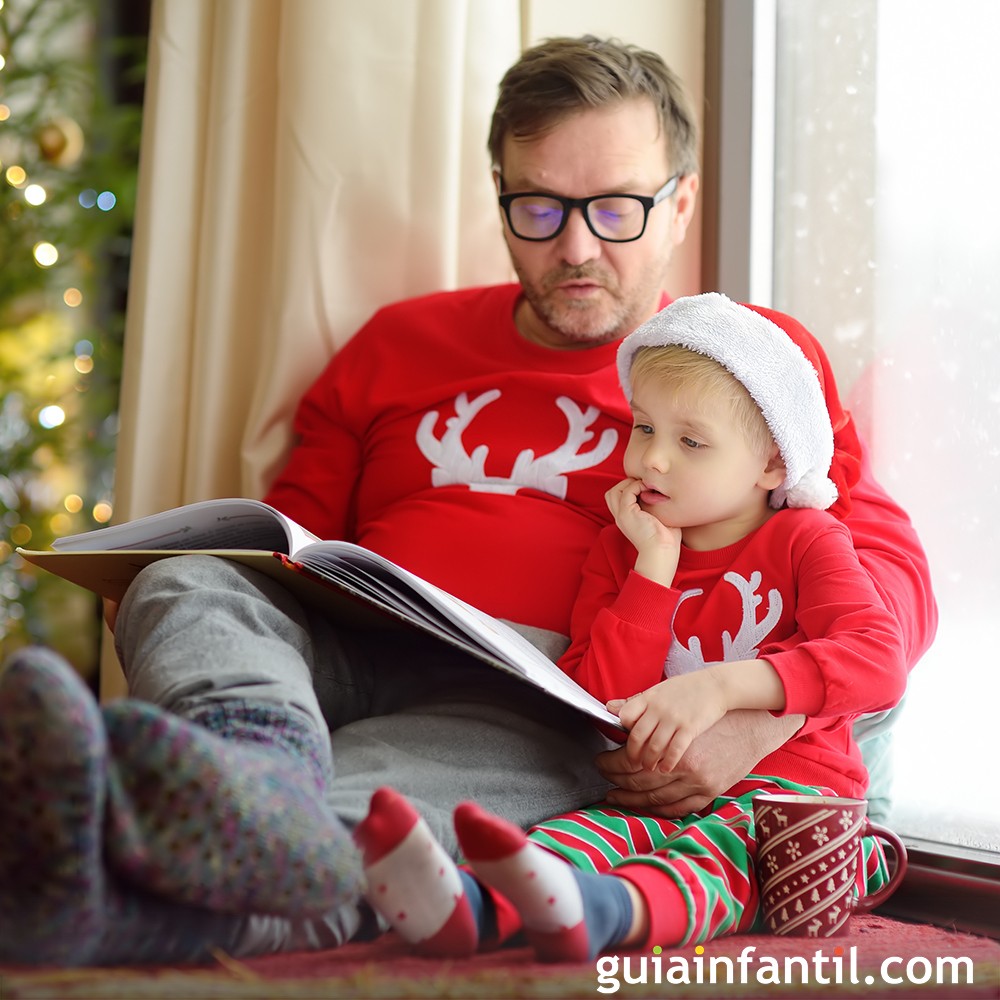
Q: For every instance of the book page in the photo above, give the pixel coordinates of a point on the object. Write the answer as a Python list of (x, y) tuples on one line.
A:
[(234, 523), (383, 582)]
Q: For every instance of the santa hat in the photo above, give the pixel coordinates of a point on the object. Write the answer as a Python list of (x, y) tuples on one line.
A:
[(774, 368)]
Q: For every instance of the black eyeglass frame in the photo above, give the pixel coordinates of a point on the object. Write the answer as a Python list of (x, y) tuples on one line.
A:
[(648, 202)]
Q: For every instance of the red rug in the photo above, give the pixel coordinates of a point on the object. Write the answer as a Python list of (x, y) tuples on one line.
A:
[(879, 957)]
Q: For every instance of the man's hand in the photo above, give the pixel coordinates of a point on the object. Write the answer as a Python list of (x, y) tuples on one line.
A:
[(715, 761), (110, 612)]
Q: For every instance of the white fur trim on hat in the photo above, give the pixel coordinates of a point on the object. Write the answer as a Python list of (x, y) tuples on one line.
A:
[(776, 373)]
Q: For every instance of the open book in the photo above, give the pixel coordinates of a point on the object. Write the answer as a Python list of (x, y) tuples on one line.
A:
[(346, 579)]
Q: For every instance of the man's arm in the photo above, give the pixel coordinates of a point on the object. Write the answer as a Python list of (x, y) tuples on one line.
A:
[(715, 761), (110, 613), (888, 548), (317, 484), (884, 538)]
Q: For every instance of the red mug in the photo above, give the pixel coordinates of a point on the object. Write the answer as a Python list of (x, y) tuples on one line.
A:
[(808, 851)]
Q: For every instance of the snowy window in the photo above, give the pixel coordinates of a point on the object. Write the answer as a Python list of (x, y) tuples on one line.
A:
[(887, 246)]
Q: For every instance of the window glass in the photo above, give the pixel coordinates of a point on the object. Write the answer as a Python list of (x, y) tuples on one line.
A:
[(887, 245)]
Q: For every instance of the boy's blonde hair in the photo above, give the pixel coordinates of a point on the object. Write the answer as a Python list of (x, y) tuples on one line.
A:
[(678, 368)]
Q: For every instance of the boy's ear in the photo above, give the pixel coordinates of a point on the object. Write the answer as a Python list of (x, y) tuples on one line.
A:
[(774, 472)]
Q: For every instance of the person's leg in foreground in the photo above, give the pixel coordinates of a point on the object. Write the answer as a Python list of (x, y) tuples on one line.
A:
[(206, 790), (60, 905)]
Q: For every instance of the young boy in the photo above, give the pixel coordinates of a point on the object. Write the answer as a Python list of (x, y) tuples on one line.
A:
[(723, 571)]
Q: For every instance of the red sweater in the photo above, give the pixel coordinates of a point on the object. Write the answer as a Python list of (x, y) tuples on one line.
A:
[(440, 438), (792, 592), (443, 440)]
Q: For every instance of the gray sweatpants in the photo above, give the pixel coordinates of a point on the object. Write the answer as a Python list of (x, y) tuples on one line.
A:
[(402, 709)]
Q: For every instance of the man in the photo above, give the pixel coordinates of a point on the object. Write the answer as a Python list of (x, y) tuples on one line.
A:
[(470, 436)]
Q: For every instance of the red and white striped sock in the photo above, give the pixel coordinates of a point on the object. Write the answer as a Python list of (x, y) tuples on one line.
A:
[(542, 887), (412, 882)]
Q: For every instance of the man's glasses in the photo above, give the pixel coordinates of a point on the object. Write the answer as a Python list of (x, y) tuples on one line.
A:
[(616, 218)]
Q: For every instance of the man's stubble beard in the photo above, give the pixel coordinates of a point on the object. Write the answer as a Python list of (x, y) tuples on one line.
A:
[(585, 324)]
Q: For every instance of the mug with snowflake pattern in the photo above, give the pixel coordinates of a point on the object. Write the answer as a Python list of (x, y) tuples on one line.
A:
[(808, 853)]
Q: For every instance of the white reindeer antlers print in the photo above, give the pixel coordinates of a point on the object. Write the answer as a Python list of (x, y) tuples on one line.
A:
[(752, 633), (448, 456), (546, 473), (683, 659)]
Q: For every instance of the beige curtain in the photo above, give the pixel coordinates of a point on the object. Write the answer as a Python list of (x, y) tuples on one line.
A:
[(304, 162)]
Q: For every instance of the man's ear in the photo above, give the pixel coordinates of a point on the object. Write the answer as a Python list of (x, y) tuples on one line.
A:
[(774, 472), (684, 200)]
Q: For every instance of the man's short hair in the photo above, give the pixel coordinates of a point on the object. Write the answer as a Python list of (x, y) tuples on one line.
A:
[(561, 77)]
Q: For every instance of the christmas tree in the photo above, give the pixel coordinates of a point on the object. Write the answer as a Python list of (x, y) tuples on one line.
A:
[(69, 138)]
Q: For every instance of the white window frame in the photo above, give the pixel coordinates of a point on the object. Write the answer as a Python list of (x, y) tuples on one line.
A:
[(740, 148)]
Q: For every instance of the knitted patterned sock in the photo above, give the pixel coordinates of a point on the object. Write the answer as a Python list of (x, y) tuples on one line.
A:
[(144, 929), (413, 883), (269, 728), (235, 823), (53, 774), (568, 915)]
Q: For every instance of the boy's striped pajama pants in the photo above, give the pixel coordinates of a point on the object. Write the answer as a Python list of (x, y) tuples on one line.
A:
[(697, 873)]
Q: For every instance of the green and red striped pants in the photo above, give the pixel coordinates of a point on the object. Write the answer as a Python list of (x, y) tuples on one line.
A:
[(696, 873)]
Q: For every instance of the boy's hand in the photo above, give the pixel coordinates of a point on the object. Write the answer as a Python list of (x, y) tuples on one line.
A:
[(658, 544), (716, 760), (663, 721)]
